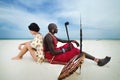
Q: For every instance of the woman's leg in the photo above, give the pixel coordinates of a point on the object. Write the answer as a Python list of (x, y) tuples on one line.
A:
[(32, 51), (21, 53), (26, 48)]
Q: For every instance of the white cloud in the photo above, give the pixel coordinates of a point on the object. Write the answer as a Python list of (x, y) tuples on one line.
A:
[(22, 18), (97, 15), (94, 13), (31, 3)]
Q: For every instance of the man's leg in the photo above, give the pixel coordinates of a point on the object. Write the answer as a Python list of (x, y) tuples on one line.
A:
[(100, 62), (88, 56)]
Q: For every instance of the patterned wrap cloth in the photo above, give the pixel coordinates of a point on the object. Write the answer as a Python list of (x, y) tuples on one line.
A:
[(37, 44)]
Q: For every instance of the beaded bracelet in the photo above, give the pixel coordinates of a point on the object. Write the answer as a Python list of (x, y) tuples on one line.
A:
[(63, 50)]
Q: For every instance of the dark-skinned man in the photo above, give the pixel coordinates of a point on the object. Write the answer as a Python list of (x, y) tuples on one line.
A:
[(63, 54)]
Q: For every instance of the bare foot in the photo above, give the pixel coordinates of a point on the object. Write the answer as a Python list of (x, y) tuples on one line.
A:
[(16, 58)]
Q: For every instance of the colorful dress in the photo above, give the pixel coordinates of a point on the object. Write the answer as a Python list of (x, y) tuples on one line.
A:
[(37, 44), (61, 58)]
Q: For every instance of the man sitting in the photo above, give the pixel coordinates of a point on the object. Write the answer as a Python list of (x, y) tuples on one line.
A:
[(65, 53)]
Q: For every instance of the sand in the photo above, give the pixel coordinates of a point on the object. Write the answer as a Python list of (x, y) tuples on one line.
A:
[(27, 69)]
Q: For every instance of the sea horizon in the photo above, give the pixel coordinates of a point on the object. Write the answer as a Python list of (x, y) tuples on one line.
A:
[(62, 38)]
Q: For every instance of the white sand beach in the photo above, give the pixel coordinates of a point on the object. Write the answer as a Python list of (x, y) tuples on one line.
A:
[(27, 69)]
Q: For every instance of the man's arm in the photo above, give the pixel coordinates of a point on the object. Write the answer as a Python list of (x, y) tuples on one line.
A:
[(66, 41), (63, 41)]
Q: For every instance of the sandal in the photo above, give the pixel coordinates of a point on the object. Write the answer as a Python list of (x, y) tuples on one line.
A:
[(104, 61)]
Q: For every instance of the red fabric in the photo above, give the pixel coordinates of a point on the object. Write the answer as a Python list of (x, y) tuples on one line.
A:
[(64, 57)]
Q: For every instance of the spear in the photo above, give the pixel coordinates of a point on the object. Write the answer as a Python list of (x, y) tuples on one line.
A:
[(80, 35)]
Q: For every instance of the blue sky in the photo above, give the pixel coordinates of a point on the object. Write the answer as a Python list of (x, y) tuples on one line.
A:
[(100, 18)]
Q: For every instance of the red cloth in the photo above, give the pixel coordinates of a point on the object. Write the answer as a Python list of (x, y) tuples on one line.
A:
[(64, 57)]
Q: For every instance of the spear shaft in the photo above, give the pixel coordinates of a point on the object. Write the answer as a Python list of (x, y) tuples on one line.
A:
[(80, 35)]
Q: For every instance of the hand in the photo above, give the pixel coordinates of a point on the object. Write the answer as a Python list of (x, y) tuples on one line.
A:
[(76, 42), (69, 47)]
